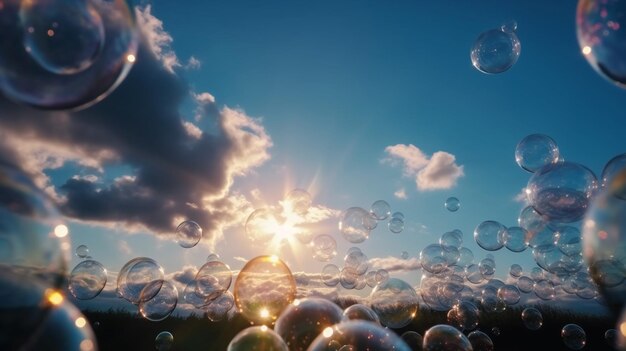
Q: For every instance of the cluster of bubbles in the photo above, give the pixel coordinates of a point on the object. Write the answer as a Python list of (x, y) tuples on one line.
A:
[(496, 50), (356, 223), (65, 54), (355, 273)]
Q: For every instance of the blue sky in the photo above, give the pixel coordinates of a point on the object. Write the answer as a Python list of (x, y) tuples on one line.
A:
[(333, 84)]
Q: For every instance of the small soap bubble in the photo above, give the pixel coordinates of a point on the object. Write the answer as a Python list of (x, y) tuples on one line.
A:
[(495, 51)]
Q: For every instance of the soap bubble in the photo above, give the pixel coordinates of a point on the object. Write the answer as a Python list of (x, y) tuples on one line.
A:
[(298, 201), (516, 239), (525, 284), (532, 318), (432, 259), (473, 274), (510, 294), (562, 192), (413, 339), (82, 251), (212, 279), (536, 151), (404, 255), (355, 224), (398, 215), (136, 275), (487, 267), (495, 331), (159, 306), (324, 248), (396, 225), (357, 260), (218, 308), (261, 225), (544, 289), (568, 240), (349, 277), (188, 234), (259, 338), (604, 246), (33, 241), (164, 341), (573, 336), (358, 335), (444, 337), (614, 176), (515, 270), (466, 257), (452, 204), (213, 257), (600, 29), (451, 239), (611, 337), (489, 235), (303, 320), (464, 315), (509, 26), (191, 296), (361, 312), (264, 287), (495, 51), (330, 275), (87, 280), (480, 341), (73, 53), (395, 302), (380, 210)]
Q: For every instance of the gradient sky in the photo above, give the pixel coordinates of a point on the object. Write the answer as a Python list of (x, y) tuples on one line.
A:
[(326, 87)]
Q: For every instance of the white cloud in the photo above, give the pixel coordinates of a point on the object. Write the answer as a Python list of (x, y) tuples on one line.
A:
[(401, 194), (157, 38), (192, 130), (193, 63), (522, 197), (440, 171)]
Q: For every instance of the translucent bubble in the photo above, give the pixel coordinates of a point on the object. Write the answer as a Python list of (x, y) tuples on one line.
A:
[(358, 335), (188, 234), (191, 296), (562, 192), (164, 341), (489, 235), (568, 240), (330, 275), (404, 255), (536, 151), (349, 277), (516, 239), (298, 201), (161, 305), (218, 309), (381, 210), (73, 53), (614, 176), (444, 337), (357, 260), (604, 246), (516, 270), (536, 273), (396, 225), (525, 284), (34, 244), (303, 320), (544, 289), (395, 302), (464, 315), (136, 275), (473, 274), (87, 280), (452, 204), (264, 287), (573, 336), (432, 258), (324, 248), (466, 257), (212, 279), (430, 291), (82, 251), (495, 51), (487, 268), (600, 32), (509, 26), (257, 338), (531, 220), (413, 339), (611, 336), (213, 257), (480, 341), (381, 276), (453, 239), (398, 215), (510, 294), (532, 318), (261, 225), (355, 224), (361, 312)]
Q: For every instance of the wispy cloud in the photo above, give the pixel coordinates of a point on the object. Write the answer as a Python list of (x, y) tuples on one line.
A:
[(439, 171), (400, 194)]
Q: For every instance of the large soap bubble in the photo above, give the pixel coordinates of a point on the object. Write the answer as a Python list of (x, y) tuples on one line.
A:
[(464, 315), (444, 337), (261, 225), (604, 246), (495, 51), (358, 335), (395, 302), (136, 275), (381, 210), (413, 339), (160, 306), (212, 279), (562, 192), (600, 28), (490, 235), (257, 338), (188, 234), (264, 287), (361, 312), (536, 151), (218, 308), (356, 224), (480, 341), (614, 176), (324, 247), (87, 279), (303, 320), (164, 341), (65, 54), (573, 336), (532, 318)]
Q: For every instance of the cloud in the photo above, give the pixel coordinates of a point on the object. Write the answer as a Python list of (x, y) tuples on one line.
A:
[(400, 194), (153, 170), (394, 264), (193, 63), (522, 197), (159, 41), (440, 171)]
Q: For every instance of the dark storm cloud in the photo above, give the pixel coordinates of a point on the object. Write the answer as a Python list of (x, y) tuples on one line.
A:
[(177, 171)]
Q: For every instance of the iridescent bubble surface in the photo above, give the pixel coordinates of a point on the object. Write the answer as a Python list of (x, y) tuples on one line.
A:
[(574, 337), (87, 279), (355, 224), (489, 235), (395, 302), (495, 51), (188, 234), (159, 306), (536, 151), (532, 318), (136, 275)]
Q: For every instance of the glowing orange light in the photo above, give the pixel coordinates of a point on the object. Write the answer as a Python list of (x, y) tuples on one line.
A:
[(263, 328), (264, 313), (54, 297), (328, 332)]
